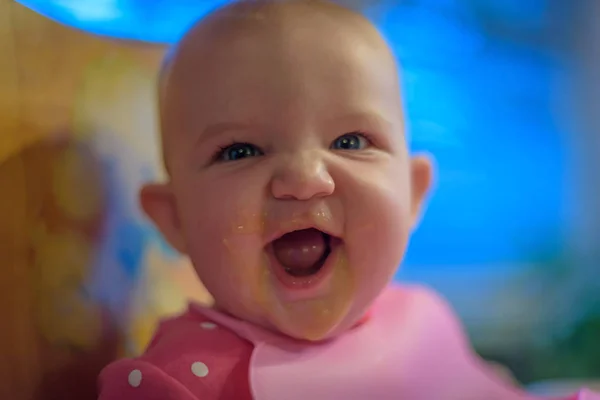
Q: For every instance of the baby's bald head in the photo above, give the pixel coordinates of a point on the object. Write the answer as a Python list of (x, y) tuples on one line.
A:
[(276, 114), (272, 22)]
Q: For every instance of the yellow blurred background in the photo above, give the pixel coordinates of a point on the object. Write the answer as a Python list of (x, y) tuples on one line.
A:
[(76, 140)]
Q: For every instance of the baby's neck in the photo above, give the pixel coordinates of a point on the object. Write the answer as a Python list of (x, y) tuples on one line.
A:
[(215, 307)]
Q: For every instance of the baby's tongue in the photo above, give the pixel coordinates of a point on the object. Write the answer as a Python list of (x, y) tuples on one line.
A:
[(299, 251)]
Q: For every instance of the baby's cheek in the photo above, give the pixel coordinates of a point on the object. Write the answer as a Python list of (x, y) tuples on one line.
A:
[(235, 275), (376, 237), (379, 213)]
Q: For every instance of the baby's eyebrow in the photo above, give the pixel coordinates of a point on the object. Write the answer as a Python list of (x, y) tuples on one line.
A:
[(214, 130), (373, 119)]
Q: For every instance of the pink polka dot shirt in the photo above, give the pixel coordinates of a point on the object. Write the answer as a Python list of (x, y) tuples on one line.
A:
[(410, 347)]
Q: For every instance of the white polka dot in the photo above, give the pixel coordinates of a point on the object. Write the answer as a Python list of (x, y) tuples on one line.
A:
[(199, 369), (135, 378), (208, 325)]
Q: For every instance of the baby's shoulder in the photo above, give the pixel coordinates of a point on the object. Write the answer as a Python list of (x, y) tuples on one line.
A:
[(424, 310), (189, 354), (408, 297), (192, 334)]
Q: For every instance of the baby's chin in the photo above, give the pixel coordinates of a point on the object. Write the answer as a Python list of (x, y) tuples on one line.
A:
[(313, 319), (315, 316), (317, 331)]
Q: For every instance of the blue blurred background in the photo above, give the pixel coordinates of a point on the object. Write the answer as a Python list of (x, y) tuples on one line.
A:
[(495, 89), (479, 79)]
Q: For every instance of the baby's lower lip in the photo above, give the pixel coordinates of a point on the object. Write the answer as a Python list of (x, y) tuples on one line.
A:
[(295, 288)]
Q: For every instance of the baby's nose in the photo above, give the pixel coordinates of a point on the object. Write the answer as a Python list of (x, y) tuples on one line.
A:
[(302, 177)]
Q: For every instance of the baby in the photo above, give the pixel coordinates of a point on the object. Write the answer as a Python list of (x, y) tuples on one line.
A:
[(292, 191)]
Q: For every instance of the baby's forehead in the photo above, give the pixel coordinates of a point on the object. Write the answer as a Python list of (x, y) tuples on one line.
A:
[(271, 18), (259, 23)]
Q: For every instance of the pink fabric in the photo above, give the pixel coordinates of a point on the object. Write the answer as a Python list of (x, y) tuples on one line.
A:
[(411, 347)]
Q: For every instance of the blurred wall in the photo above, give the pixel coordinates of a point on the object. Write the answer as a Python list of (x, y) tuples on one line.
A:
[(587, 141), (84, 275)]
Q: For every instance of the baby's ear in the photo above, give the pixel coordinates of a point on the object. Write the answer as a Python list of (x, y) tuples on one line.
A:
[(421, 174), (158, 202)]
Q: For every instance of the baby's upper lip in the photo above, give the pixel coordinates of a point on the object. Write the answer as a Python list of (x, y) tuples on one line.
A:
[(293, 226)]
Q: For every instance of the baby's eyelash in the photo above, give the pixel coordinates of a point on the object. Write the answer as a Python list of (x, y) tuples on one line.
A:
[(221, 149), (369, 137), (218, 153), (360, 133)]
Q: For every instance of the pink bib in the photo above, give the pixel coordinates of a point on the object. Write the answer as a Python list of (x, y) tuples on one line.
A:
[(411, 348)]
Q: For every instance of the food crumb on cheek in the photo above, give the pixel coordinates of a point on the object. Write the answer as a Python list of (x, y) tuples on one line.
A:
[(245, 275), (249, 223)]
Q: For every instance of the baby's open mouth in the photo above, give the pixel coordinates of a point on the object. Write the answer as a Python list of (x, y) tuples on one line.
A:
[(302, 253)]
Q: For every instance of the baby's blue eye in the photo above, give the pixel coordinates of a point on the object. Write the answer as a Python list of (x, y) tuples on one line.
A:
[(350, 141), (238, 151)]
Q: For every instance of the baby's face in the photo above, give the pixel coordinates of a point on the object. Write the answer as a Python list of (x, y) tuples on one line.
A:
[(292, 186)]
